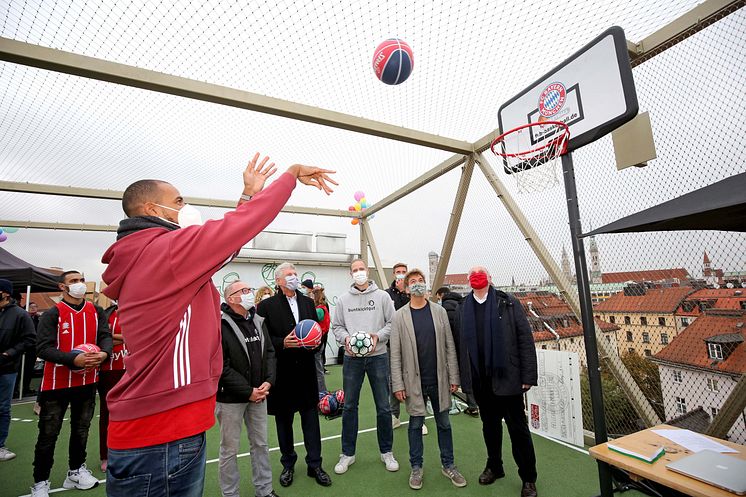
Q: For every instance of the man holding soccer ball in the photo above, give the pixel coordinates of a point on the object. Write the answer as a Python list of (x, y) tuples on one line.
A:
[(364, 308)]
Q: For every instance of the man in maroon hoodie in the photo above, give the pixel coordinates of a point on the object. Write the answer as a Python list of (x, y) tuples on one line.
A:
[(160, 271)]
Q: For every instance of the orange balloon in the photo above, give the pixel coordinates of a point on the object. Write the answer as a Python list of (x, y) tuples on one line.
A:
[(355, 220)]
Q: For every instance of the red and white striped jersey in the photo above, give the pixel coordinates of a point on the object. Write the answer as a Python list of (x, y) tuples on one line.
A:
[(116, 362), (73, 328)]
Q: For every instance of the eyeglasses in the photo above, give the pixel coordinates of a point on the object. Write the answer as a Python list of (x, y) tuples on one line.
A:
[(242, 290)]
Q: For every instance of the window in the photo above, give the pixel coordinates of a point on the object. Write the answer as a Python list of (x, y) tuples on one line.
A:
[(680, 405), (612, 319), (572, 340), (661, 321), (714, 411), (627, 320), (664, 338), (712, 385), (629, 336), (677, 376), (544, 347), (608, 338), (715, 351), (631, 350), (685, 322), (643, 321), (645, 337), (648, 353)]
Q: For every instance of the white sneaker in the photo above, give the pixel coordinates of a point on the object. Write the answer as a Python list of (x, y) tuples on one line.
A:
[(395, 423), (424, 430), (80, 478), (40, 489), (429, 407), (391, 463), (344, 464), (5, 454)]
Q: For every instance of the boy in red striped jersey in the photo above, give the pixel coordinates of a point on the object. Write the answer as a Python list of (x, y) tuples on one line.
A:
[(69, 380)]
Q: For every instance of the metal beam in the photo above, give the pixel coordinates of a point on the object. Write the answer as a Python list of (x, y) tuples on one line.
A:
[(363, 244), (57, 226), (570, 295), (27, 54), (453, 223), (71, 191), (732, 409), (374, 252), (684, 26), (434, 173)]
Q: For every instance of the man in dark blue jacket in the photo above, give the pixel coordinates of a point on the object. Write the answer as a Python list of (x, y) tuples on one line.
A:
[(498, 365), (248, 375), (16, 335)]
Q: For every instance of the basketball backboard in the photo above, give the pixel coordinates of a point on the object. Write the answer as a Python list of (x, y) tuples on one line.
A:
[(592, 92)]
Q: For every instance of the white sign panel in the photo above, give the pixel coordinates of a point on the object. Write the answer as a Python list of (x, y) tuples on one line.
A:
[(554, 407)]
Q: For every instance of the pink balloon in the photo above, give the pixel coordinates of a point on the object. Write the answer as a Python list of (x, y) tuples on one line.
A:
[(359, 195), (3, 237)]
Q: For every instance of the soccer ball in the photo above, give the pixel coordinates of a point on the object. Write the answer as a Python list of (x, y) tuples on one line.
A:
[(84, 348), (361, 344)]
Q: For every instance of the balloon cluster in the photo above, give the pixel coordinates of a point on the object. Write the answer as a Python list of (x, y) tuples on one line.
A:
[(4, 233), (361, 203)]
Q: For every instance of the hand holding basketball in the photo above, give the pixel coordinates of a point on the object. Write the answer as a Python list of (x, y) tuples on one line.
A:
[(255, 175), (291, 341)]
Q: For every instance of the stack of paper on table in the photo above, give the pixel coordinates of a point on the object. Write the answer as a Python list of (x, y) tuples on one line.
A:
[(693, 441)]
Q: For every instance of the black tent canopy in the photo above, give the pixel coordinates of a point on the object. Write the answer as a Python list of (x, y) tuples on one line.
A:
[(719, 206), (22, 274)]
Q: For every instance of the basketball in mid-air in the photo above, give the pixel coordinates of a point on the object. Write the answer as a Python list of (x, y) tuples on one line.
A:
[(393, 61)]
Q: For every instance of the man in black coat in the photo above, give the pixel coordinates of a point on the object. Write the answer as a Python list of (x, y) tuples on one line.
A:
[(248, 376), (451, 302), (296, 389), (498, 365), (16, 335)]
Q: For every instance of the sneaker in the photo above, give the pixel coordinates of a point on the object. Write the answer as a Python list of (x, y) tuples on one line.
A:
[(472, 411), (453, 474), (415, 479), (424, 430), (429, 407), (80, 478), (5, 454), (395, 423), (40, 489), (391, 463), (344, 464), (454, 408)]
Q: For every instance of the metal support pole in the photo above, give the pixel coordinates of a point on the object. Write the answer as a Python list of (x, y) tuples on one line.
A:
[(586, 316), (453, 223), (363, 244), (374, 252)]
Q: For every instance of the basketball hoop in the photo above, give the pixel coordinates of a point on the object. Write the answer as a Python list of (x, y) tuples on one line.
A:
[(530, 153)]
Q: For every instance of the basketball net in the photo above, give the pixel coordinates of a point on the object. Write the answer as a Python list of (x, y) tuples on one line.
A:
[(531, 152)]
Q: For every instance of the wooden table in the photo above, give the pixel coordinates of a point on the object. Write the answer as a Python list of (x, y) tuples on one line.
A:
[(657, 471)]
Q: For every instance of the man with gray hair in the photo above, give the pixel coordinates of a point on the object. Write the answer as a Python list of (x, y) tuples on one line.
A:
[(296, 389), (248, 375)]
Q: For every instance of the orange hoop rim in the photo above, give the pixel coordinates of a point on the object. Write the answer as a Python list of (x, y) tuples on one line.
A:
[(563, 137)]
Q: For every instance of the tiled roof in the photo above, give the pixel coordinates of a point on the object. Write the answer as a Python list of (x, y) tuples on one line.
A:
[(689, 346), (678, 273), (664, 300), (721, 298), (550, 309), (456, 279), (696, 420)]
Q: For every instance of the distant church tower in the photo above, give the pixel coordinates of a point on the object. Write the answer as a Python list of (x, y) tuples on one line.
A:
[(595, 262), (433, 259), (565, 264), (708, 274)]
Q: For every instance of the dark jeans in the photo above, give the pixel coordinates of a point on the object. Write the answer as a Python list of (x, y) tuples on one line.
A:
[(6, 393), (54, 403), (353, 374), (493, 409), (172, 469), (309, 420), (106, 381), (445, 437)]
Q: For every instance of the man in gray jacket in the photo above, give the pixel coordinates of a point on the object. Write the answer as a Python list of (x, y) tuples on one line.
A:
[(365, 308), (423, 364)]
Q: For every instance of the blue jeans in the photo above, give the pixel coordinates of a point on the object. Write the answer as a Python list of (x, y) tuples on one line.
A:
[(7, 382), (167, 470), (353, 373), (445, 438)]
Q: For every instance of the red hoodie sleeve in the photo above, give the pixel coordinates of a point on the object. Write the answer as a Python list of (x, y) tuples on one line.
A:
[(197, 250)]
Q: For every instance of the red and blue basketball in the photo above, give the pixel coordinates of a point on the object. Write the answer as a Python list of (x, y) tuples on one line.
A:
[(393, 61), (84, 348), (308, 333), (340, 396), (328, 404)]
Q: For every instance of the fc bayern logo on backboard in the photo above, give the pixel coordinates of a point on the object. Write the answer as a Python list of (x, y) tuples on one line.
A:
[(552, 99)]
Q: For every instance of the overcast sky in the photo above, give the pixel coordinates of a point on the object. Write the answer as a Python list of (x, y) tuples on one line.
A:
[(470, 56)]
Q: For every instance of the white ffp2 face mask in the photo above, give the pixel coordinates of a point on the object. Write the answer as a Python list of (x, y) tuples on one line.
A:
[(76, 290), (247, 300), (187, 215), (360, 277)]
